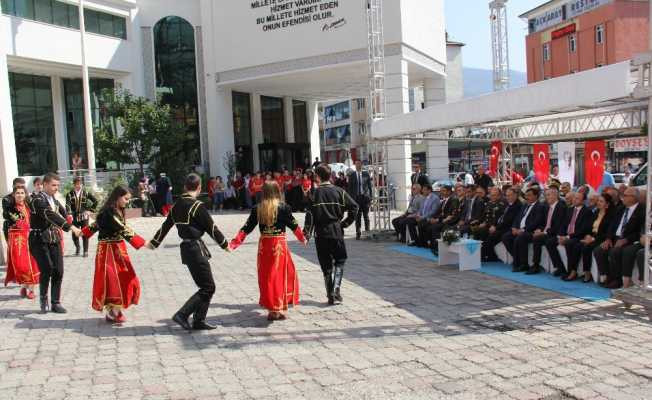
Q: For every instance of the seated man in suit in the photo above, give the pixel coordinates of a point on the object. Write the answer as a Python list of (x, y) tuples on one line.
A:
[(502, 226), (416, 201), (578, 224), (428, 209), (531, 218), (493, 210), (555, 215), (472, 209), (624, 231), (445, 216)]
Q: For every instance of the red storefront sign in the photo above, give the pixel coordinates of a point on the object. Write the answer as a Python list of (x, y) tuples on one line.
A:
[(631, 145), (567, 30)]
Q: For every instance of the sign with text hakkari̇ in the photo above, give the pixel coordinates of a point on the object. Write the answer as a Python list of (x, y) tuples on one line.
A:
[(282, 14)]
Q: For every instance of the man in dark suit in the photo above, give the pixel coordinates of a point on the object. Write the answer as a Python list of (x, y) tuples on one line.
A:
[(555, 215), (531, 218), (445, 216), (472, 209), (483, 180), (503, 225), (360, 189), (419, 177), (577, 225), (625, 230)]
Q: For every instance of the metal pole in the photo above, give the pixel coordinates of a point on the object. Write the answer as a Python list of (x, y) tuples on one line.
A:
[(88, 120), (648, 220)]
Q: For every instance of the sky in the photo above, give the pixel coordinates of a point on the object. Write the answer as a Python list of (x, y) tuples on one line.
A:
[(468, 21)]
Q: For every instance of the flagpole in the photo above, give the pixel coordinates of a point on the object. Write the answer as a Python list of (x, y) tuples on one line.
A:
[(88, 119)]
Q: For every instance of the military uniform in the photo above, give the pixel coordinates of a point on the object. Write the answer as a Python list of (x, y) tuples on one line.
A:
[(324, 218), (492, 212), (79, 207), (48, 217), (192, 220)]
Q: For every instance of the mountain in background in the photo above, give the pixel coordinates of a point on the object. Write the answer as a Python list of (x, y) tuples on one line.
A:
[(481, 81)]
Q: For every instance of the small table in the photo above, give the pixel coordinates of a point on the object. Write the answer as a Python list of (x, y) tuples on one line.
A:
[(465, 253)]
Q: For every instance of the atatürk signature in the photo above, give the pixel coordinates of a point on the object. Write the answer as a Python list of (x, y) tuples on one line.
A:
[(334, 25)]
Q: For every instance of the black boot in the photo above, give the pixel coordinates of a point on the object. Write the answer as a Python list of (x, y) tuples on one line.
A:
[(199, 317), (56, 297), (181, 317), (337, 283), (328, 282), (45, 305)]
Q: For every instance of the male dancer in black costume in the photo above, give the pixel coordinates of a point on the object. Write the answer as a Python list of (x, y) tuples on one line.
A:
[(192, 221), (324, 218)]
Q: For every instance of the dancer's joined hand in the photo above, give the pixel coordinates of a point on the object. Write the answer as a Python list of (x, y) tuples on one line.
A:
[(76, 231), (149, 245)]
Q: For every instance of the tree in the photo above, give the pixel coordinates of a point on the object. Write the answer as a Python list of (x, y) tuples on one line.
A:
[(148, 135), (229, 162)]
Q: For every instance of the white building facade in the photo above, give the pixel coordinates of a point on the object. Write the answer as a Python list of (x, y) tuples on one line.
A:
[(243, 76)]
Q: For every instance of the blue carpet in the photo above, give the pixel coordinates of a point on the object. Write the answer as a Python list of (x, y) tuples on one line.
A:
[(415, 251), (585, 291)]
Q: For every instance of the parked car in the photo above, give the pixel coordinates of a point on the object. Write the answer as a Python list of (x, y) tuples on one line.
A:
[(619, 178), (639, 180)]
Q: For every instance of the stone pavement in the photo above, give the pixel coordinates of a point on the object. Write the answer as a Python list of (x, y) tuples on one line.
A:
[(407, 330)]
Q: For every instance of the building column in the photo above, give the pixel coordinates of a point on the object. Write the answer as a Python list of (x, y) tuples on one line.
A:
[(60, 128), (313, 130), (397, 97), (434, 92), (149, 69), (201, 98), (288, 111), (8, 162), (256, 127), (221, 141)]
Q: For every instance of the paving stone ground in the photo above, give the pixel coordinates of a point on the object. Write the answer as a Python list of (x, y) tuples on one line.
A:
[(407, 330)]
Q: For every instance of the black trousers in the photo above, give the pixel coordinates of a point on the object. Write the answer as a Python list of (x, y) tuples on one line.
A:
[(412, 225), (49, 258), (537, 247), (400, 225), (610, 262), (425, 232), (573, 254), (489, 242), (363, 202), (517, 246), (75, 239), (640, 262), (587, 255), (330, 253), (200, 270), (630, 254)]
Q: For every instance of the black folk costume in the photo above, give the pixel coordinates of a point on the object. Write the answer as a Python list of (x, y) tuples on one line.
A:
[(325, 219), (192, 220), (79, 205), (49, 217)]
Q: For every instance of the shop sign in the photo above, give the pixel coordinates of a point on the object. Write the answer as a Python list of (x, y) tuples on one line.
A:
[(567, 30), (578, 7), (547, 19), (631, 145)]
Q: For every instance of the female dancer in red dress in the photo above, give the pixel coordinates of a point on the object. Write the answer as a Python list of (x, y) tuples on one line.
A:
[(21, 266), (115, 285), (277, 277)]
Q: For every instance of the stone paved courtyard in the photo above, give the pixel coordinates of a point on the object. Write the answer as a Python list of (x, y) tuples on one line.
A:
[(407, 330)]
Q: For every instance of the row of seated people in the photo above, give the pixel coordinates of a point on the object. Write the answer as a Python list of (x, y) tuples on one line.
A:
[(609, 228)]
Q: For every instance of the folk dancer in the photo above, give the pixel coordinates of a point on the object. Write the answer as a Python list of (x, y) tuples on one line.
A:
[(7, 206), (325, 220), (277, 277), (192, 220), (115, 284), (49, 217), (21, 265), (80, 203)]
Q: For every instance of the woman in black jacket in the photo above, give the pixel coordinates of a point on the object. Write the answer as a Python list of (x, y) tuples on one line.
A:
[(604, 214)]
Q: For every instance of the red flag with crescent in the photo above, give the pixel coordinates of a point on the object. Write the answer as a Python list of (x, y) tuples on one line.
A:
[(541, 163), (494, 156), (594, 152)]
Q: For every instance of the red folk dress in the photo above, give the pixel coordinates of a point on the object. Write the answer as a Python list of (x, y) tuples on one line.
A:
[(21, 266), (115, 284), (277, 277)]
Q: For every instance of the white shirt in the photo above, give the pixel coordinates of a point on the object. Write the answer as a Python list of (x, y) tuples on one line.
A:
[(468, 179), (51, 201), (629, 212), (78, 193), (530, 207)]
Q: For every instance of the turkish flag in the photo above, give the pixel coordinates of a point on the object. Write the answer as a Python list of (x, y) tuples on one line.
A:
[(494, 156), (541, 163), (594, 152)]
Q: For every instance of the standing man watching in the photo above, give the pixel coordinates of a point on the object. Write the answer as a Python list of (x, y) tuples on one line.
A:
[(80, 203), (482, 179), (48, 217), (361, 191)]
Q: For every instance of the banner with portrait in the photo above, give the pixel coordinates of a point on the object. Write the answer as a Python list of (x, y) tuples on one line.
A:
[(566, 160)]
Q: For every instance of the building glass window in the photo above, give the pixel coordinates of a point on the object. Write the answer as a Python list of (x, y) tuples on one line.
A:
[(66, 15), (599, 34), (572, 43), (31, 101), (75, 121), (273, 119), (242, 131), (300, 110), (360, 104), (546, 52), (337, 135), (337, 112), (176, 76)]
